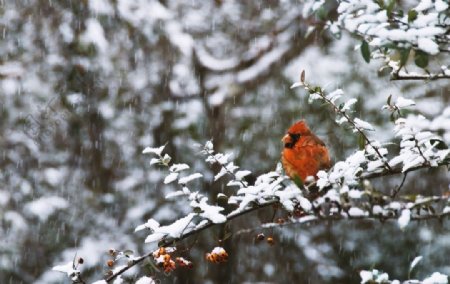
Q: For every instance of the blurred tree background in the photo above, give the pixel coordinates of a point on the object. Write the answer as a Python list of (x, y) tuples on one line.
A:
[(86, 85)]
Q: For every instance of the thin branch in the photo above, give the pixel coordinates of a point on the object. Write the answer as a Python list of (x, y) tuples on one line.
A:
[(169, 242), (427, 77), (350, 120), (398, 170), (314, 219), (397, 190), (306, 219)]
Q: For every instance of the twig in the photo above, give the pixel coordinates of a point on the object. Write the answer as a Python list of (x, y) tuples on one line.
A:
[(396, 76), (397, 190), (224, 167), (314, 219), (398, 170), (166, 243), (350, 120)]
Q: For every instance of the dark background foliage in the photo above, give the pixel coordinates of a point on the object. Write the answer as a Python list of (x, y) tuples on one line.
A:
[(86, 85)]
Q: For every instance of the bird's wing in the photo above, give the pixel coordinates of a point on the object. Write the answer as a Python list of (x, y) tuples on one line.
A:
[(312, 140)]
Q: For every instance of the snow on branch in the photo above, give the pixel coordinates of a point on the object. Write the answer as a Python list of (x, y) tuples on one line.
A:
[(373, 148), (342, 193), (423, 27), (389, 31)]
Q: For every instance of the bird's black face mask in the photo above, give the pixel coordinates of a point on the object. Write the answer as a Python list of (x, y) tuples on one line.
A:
[(294, 139)]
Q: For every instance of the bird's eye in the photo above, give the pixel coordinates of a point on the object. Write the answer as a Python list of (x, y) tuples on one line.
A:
[(294, 136)]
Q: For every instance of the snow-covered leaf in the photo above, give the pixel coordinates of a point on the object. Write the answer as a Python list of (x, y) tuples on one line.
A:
[(156, 151), (335, 95), (436, 278), (154, 161), (185, 180), (413, 264), (404, 103), (175, 194), (296, 85), (166, 160), (145, 280), (66, 268), (404, 218), (241, 174), (363, 124), (171, 177), (178, 167), (357, 212), (348, 105)]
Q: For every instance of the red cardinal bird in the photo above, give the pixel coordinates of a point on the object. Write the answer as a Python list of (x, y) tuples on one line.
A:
[(304, 154)]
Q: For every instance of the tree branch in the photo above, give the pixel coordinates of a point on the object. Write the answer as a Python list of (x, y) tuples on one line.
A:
[(321, 93), (314, 219), (428, 77), (398, 170), (306, 219), (169, 242)]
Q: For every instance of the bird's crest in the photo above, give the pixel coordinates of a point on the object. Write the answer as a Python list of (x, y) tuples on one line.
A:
[(299, 127)]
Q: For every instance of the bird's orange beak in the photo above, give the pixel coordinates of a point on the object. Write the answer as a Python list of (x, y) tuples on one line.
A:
[(286, 139)]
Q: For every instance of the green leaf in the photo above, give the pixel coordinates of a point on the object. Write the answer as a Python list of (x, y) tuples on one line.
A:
[(404, 55), (390, 8), (380, 3), (361, 142), (197, 210), (222, 200), (438, 144), (322, 13), (365, 51), (412, 15), (421, 59), (128, 253), (393, 117), (389, 100), (298, 181)]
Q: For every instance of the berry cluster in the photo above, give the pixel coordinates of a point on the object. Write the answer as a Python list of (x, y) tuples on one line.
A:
[(217, 255), (163, 258)]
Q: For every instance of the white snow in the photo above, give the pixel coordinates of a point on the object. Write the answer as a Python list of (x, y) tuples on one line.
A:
[(348, 104), (241, 174), (357, 212), (95, 34), (178, 168), (145, 280), (170, 178), (185, 180), (404, 218), (54, 176), (66, 268), (436, 278), (263, 65), (173, 230), (156, 151), (100, 7), (428, 45), (363, 124), (401, 102), (440, 5), (335, 95), (413, 264), (44, 207), (355, 194)]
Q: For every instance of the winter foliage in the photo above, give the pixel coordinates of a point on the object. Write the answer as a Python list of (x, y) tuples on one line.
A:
[(103, 104)]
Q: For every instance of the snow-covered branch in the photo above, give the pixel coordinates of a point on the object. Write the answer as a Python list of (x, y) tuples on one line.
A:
[(389, 31), (344, 192)]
